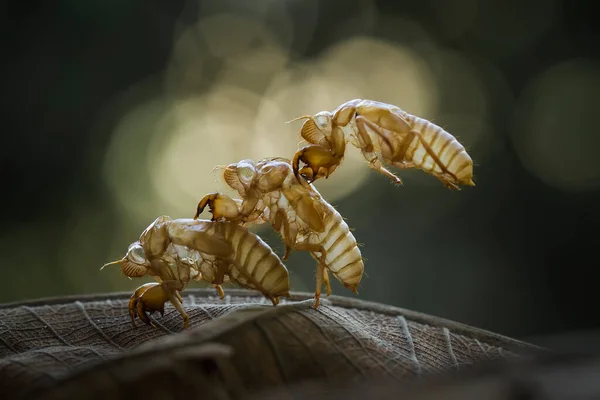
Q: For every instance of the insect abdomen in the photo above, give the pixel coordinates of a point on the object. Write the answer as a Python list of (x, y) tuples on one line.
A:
[(440, 154), (256, 264), (343, 258)]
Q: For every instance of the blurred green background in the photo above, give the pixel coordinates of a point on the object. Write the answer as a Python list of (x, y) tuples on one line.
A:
[(117, 112)]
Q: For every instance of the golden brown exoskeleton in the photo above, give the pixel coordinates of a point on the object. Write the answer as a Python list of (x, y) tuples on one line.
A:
[(271, 193), (175, 251), (385, 134)]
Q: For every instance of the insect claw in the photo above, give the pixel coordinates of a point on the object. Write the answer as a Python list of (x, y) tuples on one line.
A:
[(150, 322), (274, 300), (147, 299), (205, 201), (451, 186), (288, 250), (142, 313), (220, 291), (317, 301)]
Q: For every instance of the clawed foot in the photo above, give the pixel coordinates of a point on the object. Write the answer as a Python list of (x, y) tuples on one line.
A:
[(319, 162), (274, 300), (147, 299), (326, 282), (450, 185), (288, 250), (317, 300), (207, 200), (397, 180), (221, 206), (220, 291), (318, 295)]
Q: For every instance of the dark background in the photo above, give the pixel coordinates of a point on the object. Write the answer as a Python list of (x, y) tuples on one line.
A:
[(86, 86)]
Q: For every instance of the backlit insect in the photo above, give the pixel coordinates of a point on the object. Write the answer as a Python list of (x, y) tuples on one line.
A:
[(175, 251), (271, 193), (385, 134)]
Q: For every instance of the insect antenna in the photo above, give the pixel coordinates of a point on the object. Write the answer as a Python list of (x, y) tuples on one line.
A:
[(299, 118), (218, 169), (121, 261)]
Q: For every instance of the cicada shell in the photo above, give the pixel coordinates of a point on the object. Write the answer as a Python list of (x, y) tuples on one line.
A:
[(385, 134), (175, 251), (306, 222)]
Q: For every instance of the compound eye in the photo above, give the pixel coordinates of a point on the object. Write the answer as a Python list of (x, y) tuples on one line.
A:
[(246, 174), (136, 254), (322, 121)]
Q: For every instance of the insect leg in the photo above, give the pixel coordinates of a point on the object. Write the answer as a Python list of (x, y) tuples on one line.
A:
[(326, 281), (183, 273), (159, 280), (322, 266), (173, 299), (320, 162), (172, 288), (220, 291), (281, 220), (325, 276), (222, 268), (220, 205), (320, 274), (133, 301), (404, 164), (274, 300), (152, 297), (367, 149), (288, 250), (376, 164)]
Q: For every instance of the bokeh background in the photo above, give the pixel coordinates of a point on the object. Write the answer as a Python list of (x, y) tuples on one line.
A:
[(115, 112)]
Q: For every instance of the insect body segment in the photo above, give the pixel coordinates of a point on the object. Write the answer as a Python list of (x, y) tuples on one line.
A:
[(385, 134), (272, 194), (175, 251)]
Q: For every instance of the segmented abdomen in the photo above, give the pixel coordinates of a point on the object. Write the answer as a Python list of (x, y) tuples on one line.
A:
[(343, 258), (255, 264), (441, 153)]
